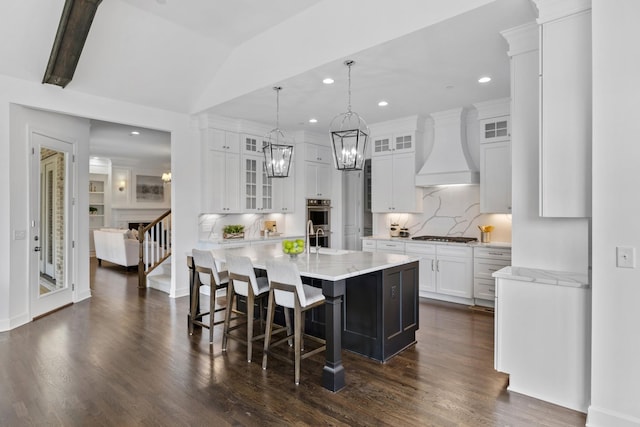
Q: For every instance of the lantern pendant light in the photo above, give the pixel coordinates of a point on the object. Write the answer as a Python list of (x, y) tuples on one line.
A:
[(349, 136), (277, 152)]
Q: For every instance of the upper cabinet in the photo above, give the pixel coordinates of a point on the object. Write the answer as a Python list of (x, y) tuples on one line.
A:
[(318, 170), (257, 189), (495, 156), (565, 108), (400, 142), (234, 173), (395, 158), (221, 187)]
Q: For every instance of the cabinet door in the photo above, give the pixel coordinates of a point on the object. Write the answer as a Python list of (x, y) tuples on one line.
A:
[(382, 145), (382, 184), (454, 276), (403, 142), (284, 192), (427, 276), (214, 197), (495, 129), (565, 139), (495, 177), (231, 182), (222, 186), (221, 140), (317, 180), (318, 153), (403, 190), (323, 181), (257, 188)]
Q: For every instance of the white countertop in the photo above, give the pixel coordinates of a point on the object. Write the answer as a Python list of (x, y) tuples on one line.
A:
[(504, 245), (341, 264), (546, 277)]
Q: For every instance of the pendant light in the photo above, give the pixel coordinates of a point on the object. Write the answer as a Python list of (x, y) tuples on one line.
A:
[(277, 152), (349, 135)]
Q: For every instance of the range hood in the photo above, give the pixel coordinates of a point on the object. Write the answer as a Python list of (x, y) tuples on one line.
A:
[(447, 164)]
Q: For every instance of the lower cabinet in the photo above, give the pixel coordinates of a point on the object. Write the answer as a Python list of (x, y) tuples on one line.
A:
[(487, 261), (445, 271), (454, 271), (380, 316)]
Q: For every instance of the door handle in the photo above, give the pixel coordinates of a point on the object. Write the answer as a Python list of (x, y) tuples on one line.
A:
[(37, 249)]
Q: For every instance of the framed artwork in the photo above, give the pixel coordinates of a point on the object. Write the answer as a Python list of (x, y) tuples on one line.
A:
[(149, 189)]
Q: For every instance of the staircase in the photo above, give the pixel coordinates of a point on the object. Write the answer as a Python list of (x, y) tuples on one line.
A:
[(155, 249), (160, 279)]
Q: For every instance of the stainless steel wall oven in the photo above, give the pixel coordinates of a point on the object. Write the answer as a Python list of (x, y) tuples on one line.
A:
[(319, 213)]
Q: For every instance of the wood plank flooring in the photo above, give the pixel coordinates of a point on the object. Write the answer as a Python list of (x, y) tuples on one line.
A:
[(120, 359)]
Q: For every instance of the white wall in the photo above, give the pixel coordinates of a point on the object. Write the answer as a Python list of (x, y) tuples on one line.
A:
[(185, 185), (615, 387)]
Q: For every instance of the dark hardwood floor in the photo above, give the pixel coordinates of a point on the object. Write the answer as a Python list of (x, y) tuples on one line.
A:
[(120, 359)]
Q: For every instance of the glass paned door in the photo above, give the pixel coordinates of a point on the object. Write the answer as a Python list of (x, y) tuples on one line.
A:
[(52, 216)]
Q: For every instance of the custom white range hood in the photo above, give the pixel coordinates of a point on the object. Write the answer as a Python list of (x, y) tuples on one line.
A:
[(447, 164)]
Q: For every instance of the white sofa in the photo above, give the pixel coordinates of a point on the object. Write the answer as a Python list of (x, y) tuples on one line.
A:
[(116, 246)]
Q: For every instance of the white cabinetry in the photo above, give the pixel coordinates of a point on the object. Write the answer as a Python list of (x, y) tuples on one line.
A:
[(426, 254), (542, 336), (393, 184), (445, 271), (390, 247), (222, 172), (565, 112), (495, 156), (368, 245), (495, 177), (317, 171), (395, 155), (284, 193), (454, 270), (486, 261), (257, 188)]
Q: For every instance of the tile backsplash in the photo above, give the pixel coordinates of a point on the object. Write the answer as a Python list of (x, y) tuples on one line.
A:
[(448, 211)]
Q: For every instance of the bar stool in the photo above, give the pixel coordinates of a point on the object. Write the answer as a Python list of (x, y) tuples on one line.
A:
[(287, 290), (243, 281), (206, 273)]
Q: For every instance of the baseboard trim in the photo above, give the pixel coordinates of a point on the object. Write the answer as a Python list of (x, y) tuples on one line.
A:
[(600, 417)]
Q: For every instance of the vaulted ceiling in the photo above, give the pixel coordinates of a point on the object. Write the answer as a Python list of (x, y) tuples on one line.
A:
[(224, 56)]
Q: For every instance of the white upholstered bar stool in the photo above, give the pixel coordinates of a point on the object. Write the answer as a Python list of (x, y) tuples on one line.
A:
[(287, 290), (243, 281), (206, 274)]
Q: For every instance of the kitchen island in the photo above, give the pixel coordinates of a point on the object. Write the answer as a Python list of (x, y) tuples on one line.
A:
[(371, 301)]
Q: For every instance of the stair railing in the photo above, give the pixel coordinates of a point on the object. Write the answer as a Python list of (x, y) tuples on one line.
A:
[(155, 246)]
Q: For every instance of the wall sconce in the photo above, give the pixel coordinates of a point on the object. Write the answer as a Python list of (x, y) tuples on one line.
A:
[(121, 186), (166, 177)]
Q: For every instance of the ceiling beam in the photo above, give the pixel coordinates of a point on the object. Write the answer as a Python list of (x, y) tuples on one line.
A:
[(75, 22)]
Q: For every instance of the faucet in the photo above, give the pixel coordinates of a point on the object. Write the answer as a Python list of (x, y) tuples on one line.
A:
[(318, 231), (307, 235)]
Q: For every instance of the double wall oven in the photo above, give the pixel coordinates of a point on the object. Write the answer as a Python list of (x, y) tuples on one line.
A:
[(319, 213)]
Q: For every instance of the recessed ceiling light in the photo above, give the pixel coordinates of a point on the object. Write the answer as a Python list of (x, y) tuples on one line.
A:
[(313, 120), (484, 79), (328, 81), (135, 132), (383, 104)]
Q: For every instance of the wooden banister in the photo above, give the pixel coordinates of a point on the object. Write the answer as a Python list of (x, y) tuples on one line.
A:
[(155, 246)]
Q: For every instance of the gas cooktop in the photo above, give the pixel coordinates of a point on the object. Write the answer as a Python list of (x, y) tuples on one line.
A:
[(453, 239)]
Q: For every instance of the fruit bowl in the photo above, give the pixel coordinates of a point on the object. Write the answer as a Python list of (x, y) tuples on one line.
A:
[(293, 247)]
